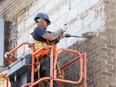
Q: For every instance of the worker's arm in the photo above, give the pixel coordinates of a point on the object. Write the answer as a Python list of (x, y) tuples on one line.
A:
[(52, 36)]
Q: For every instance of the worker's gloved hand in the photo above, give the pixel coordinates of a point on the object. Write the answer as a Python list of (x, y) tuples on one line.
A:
[(56, 40), (61, 36), (64, 27), (5, 55)]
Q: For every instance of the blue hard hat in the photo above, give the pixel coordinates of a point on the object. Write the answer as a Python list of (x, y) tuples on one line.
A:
[(44, 16)]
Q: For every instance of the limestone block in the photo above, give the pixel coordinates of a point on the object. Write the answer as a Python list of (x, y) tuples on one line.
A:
[(96, 25), (89, 18)]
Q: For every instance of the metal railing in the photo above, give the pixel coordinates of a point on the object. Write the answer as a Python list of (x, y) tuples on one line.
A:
[(53, 60)]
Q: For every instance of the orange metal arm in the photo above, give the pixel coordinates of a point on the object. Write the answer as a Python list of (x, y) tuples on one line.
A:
[(85, 70), (15, 49), (10, 60), (70, 62), (25, 85), (67, 64), (40, 50), (81, 68), (12, 51), (51, 67), (40, 80), (4, 75)]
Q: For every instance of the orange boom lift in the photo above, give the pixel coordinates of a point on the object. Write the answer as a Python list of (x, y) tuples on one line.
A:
[(53, 64)]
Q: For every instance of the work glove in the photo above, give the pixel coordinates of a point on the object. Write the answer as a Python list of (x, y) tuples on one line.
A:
[(5, 55), (64, 27)]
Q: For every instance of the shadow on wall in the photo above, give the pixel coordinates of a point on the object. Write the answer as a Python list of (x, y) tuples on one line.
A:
[(9, 43)]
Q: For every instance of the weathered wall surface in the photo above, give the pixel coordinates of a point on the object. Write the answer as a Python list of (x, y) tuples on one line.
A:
[(101, 53), (78, 19), (81, 16)]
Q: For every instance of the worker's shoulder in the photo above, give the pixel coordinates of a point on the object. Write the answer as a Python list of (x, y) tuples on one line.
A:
[(39, 28)]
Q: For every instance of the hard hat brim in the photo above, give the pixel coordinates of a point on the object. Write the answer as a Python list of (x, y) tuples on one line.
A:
[(48, 21)]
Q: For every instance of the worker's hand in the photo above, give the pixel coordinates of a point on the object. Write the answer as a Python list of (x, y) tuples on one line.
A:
[(5, 55), (64, 27), (61, 36)]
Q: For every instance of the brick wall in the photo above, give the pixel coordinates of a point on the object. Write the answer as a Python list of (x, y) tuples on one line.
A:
[(93, 49), (109, 49), (101, 53)]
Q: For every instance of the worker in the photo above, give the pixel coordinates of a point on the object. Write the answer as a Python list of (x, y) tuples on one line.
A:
[(43, 38)]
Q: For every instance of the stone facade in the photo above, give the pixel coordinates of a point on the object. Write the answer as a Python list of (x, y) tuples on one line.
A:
[(79, 20), (81, 16), (101, 53)]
